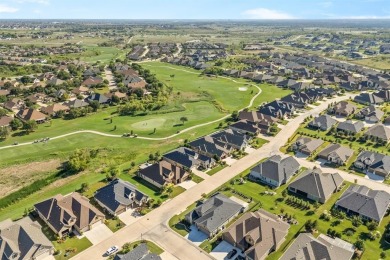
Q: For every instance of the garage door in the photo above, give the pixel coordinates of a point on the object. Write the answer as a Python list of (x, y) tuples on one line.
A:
[(98, 223)]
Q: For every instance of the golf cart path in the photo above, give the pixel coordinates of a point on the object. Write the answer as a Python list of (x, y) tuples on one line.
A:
[(151, 138)]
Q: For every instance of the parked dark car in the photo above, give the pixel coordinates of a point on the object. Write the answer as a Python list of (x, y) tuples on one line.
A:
[(232, 253)]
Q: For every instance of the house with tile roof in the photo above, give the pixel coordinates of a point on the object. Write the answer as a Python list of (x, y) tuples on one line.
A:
[(306, 145), (378, 132), (257, 234), (275, 171), (376, 163), (307, 247), (31, 114), (212, 216), (141, 252), (323, 122), (23, 239), (118, 196), (64, 214), (336, 153), (316, 185), (362, 201)]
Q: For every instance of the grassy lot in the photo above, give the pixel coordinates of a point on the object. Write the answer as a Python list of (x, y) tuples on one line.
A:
[(175, 224), (258, 143), (153, 248), (216, 169), (165, 124), (224, 91), (196, 178), (114, 224)]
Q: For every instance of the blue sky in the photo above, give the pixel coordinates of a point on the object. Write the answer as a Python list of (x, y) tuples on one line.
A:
[(195, 9)]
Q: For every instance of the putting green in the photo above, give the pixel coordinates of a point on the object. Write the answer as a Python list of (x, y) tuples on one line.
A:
[(149, 124)]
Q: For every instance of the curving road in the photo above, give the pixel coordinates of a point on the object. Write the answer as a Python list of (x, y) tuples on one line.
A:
[(151, 138)]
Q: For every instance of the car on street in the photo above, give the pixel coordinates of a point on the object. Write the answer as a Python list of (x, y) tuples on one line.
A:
[(112, 250)]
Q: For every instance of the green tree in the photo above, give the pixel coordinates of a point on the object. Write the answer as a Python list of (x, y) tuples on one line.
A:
[(4, 132), (30, 126), (183, 119), (84, 187), (15, 124)]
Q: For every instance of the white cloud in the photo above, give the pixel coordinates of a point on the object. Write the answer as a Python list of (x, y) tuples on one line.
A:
[(7, 9), (43, 2), (365, 17), (264, 13), (326, 4)]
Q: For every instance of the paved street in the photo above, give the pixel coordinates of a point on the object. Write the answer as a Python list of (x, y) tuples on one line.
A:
[(154, 226)]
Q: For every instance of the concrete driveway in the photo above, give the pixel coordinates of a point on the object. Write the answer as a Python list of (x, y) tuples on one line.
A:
[(196, 236), (187, 184), (98, 234), (239, 201), (221, 251), (229, 160), (129, 217)]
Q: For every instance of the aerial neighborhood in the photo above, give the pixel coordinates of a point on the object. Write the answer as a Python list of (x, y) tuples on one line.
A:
[(194, 140)]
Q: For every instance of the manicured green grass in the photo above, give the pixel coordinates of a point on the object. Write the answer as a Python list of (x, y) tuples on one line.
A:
[(224, 91), (174, 222), (216, 169), (258, 143), (177, 190), (196, 178), (153, 248), (114, 224), (165, 124)]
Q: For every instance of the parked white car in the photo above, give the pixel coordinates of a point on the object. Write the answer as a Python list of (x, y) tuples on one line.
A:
[(112, 250)]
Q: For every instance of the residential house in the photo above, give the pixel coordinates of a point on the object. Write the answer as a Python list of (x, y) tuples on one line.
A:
[(362, 201), (92, 82), (76, 103), (119, 196), (275, 171), (306, 145), (210, 147), (247, 128), (141, 252), (5, 121), (23, 239), (234, 139), (102, 99), (368, 99), (316, 185), (53, 109), (323, 122), (298, 100), (14, 104), (65, 214), (31, 114), (350, 127), (336, 153), (188, 159), (82, 90), (162, 173), (378, 132), (370, 114), (344, 109), (376, 163), (307, 247), (278, 109), (213, 215), (257, 234)]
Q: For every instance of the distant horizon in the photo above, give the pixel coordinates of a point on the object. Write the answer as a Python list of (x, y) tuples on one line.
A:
[(195, 9)]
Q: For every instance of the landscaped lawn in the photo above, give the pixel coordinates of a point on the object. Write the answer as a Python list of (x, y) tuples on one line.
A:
[(216, 169), (114, 223), (196, 178), (153, 248)]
